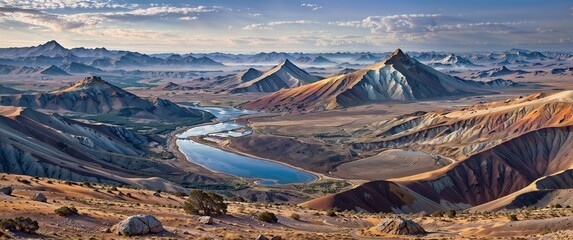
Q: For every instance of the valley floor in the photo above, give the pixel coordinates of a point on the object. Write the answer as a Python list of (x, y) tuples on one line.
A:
[(101, 206)]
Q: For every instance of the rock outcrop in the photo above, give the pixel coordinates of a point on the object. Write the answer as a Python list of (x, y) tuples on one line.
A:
[(138, 225), (6, 190), (399, 226), (40, 197)]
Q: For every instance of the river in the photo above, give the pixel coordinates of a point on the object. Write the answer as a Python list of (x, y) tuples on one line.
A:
[(217, 160)]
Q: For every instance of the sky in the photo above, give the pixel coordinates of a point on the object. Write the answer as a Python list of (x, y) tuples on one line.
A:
[(156, 26)]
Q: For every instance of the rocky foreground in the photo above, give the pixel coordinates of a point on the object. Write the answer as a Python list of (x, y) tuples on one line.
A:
[(71, 210)]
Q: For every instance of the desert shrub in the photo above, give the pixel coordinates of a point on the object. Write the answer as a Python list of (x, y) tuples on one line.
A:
[(66, 211), (49, 182), (557, 205), (451, 213), (237, 199), (512, 217), (204, 203), (438, 214), (295, 216), (86, 184), (19, 224), (24, 181), (331, 213), (69, 182), (267, 217), (128, 195), (180, 194)]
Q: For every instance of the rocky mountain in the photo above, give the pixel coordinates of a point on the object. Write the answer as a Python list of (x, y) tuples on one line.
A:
[(171, 86), (233, 80), (272, 57), (49, 49), (54, 71), (282, 76), (367, 58), (7, 90), (318, 60), (37, 144), (452, 61), (81, 68), (96, 96), (497, 72), (398, 78), (505, 155), (16, 70)]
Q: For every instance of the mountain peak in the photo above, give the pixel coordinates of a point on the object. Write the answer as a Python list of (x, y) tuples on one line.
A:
[(93, 80), (398, 56), (52, 44)]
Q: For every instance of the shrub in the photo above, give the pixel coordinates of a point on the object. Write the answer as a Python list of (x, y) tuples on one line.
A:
[(66, 211), (237, 199), (180, 194), (68, 182), (267, 217), (86, 184), (512, 217), (24, 181), (20, 224), (295, 216), (50, 182), (557, 205), (451, 213), (438, 214), (331, 213), (128, 195), (204, 203)]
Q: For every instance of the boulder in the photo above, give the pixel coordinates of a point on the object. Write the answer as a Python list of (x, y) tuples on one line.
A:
[(40, 197), (138, 225), (6, 190), (400, 226), (261, 237), (206, 220)]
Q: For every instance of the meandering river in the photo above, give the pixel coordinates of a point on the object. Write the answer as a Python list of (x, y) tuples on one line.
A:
[(217, 160)]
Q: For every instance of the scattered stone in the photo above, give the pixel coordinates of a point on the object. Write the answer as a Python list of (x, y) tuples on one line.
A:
[(6, 190), (157, 194), (206, 220), (138, 225), (261, 237), (400, 226), (40, 197), (106, 230)]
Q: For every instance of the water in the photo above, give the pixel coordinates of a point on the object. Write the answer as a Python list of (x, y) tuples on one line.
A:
[(214, 159)]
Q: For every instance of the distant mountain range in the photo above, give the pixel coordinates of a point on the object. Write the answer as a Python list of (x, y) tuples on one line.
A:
[(52, 53), (95, 96), (398, 78)]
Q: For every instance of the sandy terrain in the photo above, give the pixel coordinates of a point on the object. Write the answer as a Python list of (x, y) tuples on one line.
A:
[(101, 207), (392, 163)]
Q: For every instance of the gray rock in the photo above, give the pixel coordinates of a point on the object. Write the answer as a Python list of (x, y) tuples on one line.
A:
[(400, 226), (40, 197), (6, 190), (138, 225), (206, 220), (261, 237)]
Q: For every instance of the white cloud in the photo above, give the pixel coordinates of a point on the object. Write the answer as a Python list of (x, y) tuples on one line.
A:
[(58, 4), (396, 23), (255, 14), (188, 18), (312, 6), (270, 25), (43, 19)]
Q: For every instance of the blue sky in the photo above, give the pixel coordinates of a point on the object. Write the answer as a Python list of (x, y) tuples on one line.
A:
[(311, 26)]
